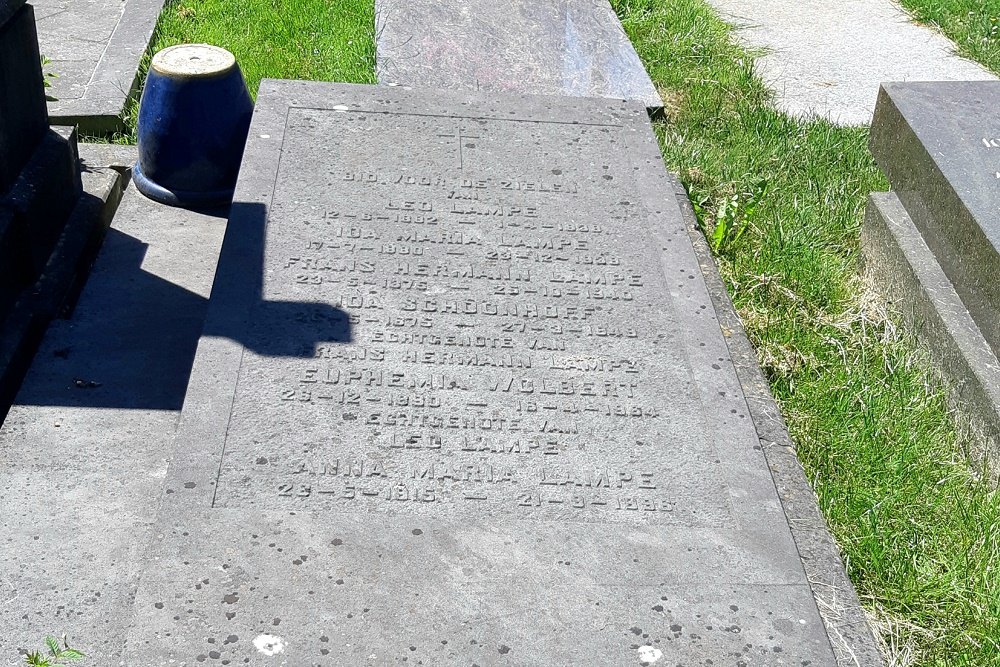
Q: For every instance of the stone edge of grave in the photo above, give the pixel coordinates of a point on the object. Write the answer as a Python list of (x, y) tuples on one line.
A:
[(845, 620), (103, 106), (55, 292), (909, 277)]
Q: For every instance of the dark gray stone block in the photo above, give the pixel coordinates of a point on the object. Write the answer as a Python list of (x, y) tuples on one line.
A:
[(50, 257), (462, 396), (939, 145), (556, 47), (8, 8), (39, 203), (22, 99), (909, 276), (95, 48)]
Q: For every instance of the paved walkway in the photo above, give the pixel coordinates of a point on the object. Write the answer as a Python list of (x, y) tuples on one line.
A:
[(828, 58)]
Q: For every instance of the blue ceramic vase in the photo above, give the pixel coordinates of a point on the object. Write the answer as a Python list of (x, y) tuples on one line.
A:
[(193, 120)]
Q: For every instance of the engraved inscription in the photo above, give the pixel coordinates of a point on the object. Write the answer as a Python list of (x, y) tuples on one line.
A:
[(512, 347)]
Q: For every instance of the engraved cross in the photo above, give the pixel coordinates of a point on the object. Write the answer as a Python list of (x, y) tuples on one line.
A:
[(462, 137)]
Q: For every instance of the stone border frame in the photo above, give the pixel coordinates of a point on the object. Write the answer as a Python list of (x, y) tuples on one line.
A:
[(846, 621)]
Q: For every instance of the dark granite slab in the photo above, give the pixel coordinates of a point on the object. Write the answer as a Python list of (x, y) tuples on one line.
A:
[(7, 9), (94, 47), (556, 47), (462, 396), (939, 145), (101, 400), (22, 101), (51, 227)]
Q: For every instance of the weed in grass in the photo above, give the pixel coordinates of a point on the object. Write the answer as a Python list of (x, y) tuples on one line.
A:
[(58, 654), (781, 202)]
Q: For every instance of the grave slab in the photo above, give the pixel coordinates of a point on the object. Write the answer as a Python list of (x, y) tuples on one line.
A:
[(939, 145), (94, 47), (84, 450), (462, 396), (556, 47)]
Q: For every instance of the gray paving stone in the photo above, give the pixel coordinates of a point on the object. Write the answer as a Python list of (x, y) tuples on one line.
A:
[(95, 47), (84, 451), (827, 59), (557, 47), (908, 274), (939, 145), (345, 524)]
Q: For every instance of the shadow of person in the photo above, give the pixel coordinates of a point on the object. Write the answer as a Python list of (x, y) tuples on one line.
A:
[(239, 311)]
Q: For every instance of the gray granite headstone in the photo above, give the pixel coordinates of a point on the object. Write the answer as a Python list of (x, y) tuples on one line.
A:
[(939, 145), (462, 398), (556, 47)]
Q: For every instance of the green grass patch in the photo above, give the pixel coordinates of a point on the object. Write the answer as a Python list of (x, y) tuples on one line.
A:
[(781, 202), (321, 40), (974, 25)]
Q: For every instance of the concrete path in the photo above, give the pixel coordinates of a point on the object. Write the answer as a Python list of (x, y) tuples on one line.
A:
[(828, 58)]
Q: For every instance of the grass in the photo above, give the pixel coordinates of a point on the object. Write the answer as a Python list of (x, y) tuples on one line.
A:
[(319, 40), (974, 25), (782, 203)]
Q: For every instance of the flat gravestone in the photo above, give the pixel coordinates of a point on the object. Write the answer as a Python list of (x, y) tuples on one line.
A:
[(94, 48), (462, 398), (555, 47), (939, 145)]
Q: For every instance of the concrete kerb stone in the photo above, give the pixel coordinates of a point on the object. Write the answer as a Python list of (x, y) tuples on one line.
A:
[(95, 97), (845, 619)]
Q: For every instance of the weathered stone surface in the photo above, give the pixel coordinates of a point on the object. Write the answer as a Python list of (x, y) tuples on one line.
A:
[(462, 396), (910, 277), (22, 100), (556, 47), (84, 451), (94, 47), (939, 145), (846, 621)]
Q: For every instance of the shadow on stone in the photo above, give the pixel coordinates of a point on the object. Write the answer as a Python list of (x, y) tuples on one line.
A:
[(268, 328), (131, 347), (132, 343)]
